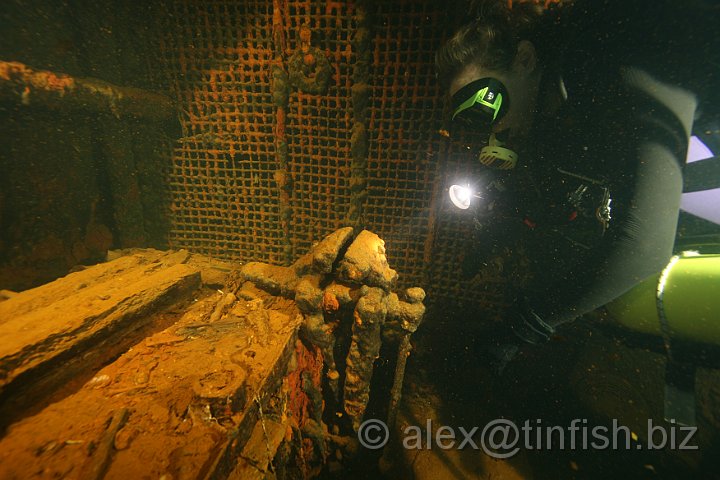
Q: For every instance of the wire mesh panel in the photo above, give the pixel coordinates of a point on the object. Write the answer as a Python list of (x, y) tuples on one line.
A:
[(404, 121), (231, 185), (319, 125), (225, 199)]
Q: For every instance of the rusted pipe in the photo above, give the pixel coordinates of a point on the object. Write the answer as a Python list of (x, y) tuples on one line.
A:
[(28, 86)]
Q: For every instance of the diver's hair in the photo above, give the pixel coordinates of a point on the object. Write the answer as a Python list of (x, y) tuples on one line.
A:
[(491, 38)]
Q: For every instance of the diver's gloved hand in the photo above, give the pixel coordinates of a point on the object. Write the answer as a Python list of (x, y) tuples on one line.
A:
[(488, 240), (529, 327), (526, 327)]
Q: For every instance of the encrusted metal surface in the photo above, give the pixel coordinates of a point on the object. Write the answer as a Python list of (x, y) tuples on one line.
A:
[(267, 165)]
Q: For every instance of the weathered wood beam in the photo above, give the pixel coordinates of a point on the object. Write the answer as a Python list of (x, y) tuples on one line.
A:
[(73, 325), (188, 402), (28, 86)]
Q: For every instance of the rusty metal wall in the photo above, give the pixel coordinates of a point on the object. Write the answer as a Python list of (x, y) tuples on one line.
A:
[(257, 176)]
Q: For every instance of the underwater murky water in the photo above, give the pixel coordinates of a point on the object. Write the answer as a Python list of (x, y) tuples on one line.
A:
[(545, 182)]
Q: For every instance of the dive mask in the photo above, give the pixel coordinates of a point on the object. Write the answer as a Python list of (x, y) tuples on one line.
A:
[(478, 105)]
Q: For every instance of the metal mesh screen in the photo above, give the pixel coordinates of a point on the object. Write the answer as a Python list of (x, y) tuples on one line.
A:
[(224, 194), (404, 121), (218, 56), (319, 126)]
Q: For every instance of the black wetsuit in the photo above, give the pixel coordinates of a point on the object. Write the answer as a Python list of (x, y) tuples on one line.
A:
[(637, 73)]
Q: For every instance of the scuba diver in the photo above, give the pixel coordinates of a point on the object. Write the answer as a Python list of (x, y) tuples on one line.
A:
[(588, 106)]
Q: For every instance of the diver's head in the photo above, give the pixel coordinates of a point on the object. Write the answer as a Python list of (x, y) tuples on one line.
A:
[(498, 100), (495, 55)]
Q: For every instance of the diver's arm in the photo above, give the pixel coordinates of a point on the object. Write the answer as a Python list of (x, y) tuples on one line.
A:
[(640, 247), (639, 242)]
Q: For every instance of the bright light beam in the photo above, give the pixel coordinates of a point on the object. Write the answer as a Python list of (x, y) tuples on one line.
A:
[(461, 196)]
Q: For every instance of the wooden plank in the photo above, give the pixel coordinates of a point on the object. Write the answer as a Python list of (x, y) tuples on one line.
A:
[(260, 450), (32, 338), (44, 295), (193, 394), (72, 326)]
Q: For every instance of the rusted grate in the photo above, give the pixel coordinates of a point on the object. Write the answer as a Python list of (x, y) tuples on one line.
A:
[(218, 57)]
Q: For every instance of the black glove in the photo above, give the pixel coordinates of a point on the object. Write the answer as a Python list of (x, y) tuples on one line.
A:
[(488, 240), (524, 327), (529, 327)]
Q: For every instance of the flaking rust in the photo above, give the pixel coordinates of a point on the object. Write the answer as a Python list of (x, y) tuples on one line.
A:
[(343, 287)]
